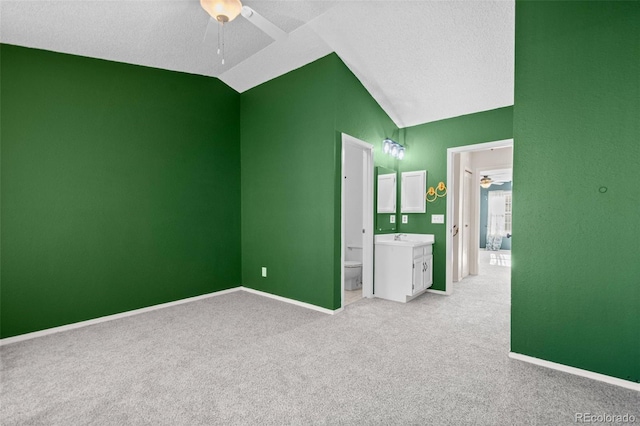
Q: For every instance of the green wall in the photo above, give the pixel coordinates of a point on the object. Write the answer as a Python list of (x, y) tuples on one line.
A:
[(120, 188), (426, 149), (360, 116), (291, 165), (576, 269), (288, 173)]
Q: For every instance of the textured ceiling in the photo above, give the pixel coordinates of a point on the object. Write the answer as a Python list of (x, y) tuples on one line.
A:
[(421, 60)]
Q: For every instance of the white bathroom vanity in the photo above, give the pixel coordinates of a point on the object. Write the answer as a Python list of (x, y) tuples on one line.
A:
[(403, 266)]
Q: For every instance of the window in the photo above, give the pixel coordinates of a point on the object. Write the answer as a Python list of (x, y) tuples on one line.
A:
[(507, 212)]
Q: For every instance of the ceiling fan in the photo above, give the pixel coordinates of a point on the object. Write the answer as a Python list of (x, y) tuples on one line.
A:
[(486, 181), (224, 11)]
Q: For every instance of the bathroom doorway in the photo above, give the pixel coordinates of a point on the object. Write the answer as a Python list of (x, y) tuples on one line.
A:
[(466, 166), (356, 220)]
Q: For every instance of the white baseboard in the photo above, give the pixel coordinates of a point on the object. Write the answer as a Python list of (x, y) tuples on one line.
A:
[(577, 371), (67, 327), (444, 293), (292, 301)]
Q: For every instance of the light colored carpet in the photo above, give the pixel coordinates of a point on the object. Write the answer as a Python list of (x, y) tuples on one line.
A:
[(245, 359)]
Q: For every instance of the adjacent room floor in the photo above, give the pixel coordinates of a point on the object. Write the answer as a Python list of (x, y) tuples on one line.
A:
[(245, 359), (351, 296)]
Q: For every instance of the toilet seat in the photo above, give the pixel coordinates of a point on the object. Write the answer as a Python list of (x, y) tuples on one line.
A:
[(352, 264)]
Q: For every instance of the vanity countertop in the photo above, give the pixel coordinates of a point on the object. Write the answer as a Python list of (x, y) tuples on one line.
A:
[(406, 240)]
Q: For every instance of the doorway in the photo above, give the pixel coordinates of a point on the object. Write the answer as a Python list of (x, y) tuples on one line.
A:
[(356, 220), (465, 166)]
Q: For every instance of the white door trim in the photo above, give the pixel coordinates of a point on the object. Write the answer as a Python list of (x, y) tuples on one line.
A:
[(451, 194), (367, 242), (466, 227)]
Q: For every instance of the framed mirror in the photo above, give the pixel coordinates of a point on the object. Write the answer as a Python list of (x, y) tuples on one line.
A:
[(414, 186), (386, 181)]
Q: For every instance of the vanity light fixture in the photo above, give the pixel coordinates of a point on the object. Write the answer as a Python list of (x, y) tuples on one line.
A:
[(386, 145), (393, 148)]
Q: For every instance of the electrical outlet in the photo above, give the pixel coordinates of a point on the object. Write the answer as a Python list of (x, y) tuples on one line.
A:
[(264, 271), (392, 219), (405, 218)]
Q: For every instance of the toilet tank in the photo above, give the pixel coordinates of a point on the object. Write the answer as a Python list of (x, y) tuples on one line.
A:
[(353, 252)]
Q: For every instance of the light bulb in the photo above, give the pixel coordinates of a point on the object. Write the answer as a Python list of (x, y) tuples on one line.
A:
[(394, 151), (386, 146), (401, 153)]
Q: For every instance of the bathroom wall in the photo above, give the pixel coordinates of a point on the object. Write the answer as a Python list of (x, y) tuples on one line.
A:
[(353, 202), (427, 146), (120, 188), (576, 276), (359, 115)]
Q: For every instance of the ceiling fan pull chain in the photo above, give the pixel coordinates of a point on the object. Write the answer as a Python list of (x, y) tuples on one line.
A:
[(218, 39), (222, 26)]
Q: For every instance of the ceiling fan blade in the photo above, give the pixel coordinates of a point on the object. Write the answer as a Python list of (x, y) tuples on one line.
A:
[(261, 22), (206, 31)]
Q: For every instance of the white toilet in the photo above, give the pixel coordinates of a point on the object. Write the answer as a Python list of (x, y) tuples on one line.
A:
[(353, 268)]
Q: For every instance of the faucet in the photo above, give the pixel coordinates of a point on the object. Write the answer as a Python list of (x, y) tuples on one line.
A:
[(397, 237)]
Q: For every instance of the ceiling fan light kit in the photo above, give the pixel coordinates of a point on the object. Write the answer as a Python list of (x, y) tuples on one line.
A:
[(222, 10), (486, 181)]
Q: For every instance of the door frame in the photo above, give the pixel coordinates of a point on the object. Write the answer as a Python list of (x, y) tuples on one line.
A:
[(466, 232), (450, 199), (367, 212)]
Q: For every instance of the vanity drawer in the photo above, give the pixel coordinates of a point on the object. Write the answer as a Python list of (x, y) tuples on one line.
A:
[(422, 251)]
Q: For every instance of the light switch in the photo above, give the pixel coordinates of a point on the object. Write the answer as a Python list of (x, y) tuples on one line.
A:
[(437, 218), (405, 218), (392, 219), (264, 271)]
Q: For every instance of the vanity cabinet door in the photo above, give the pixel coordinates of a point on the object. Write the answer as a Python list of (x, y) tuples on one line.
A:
[(428, 271), (418, 270), (422, 269)]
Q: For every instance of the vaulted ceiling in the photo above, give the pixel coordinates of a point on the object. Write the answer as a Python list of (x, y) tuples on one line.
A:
[(421, 60)]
